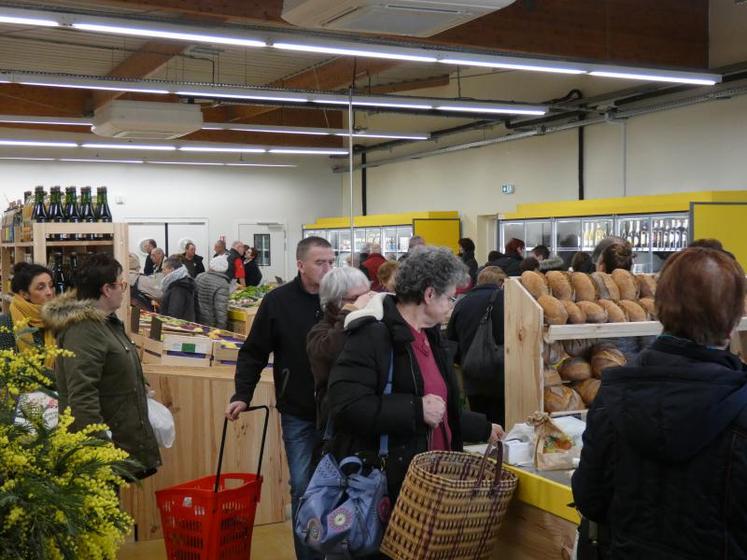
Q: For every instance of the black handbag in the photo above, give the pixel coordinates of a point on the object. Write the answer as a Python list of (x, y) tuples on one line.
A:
[(484, 358), (593, 540)]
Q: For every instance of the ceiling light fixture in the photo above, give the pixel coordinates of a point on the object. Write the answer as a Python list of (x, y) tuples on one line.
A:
[(29, 21), (512, 66), (96, 160), (488, 109), (386, 135), (310, 151), (260, 165), (97, 87), (186, 163), (38, 143), (57, 121), (248, 96), (310, 132), (394, 55), (166, 34), (634, 75), (238, 150), (27, 158), (155, 147)]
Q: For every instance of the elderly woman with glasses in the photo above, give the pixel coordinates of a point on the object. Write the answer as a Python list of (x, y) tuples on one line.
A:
[(422, 412), (341, 291)]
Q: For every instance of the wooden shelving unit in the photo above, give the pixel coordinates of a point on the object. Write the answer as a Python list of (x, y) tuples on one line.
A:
[(40, 246), (525, 337)]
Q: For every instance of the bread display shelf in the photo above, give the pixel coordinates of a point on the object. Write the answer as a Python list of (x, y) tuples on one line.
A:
[(525, 337)]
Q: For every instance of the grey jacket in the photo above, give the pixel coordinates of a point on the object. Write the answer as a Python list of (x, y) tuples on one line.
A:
[(212, 299)]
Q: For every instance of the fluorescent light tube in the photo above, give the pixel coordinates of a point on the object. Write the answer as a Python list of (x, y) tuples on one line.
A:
[(393, 105), (354, 52), (512, 66), (129, 147), (247, 96), (38, 143), (164, 34), (655, 78), (260, 165), (385, 135), (29, 21), (96, 160), (311, 151), (32, 120), (97, 87), (186, 163), (488, 109), (28, 158), (310, 132), (246, 150)]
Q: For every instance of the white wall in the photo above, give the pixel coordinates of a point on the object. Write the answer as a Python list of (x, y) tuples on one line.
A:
[(223, 196), (727, 28)]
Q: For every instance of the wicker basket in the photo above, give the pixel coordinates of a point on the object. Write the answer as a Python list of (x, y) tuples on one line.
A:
[(450, 507)]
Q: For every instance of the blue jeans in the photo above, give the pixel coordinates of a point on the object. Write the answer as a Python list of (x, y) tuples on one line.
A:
[(301, 439)]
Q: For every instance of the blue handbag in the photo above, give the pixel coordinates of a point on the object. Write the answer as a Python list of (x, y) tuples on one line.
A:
[(344, 511)]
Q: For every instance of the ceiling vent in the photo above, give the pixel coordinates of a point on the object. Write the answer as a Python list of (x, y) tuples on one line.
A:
[(416, 18), (146, 120)]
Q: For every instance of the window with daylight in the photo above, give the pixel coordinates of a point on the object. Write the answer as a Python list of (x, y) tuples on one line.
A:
[(262, 244)]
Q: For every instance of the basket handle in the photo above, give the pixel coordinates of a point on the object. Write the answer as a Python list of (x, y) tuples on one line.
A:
[(223, 443), (498, 467)]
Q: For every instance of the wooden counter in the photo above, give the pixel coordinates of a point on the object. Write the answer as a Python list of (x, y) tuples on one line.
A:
[(240, 319), (197, 397)]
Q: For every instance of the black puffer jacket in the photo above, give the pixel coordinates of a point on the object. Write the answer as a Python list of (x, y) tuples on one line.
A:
[(180, 297), (510, 264), (664, 462), (361, 413), (468, 258)]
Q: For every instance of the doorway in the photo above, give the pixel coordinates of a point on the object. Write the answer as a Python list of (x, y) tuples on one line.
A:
[(270, 241), (171, 235)]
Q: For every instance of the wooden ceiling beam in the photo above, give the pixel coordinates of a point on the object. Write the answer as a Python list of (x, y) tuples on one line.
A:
[(410, 85), (262, 10), (16, 99)]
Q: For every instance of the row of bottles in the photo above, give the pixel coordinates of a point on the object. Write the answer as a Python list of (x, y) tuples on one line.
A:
[(63, 271), (18, 219), (668, 234), (594, 232)]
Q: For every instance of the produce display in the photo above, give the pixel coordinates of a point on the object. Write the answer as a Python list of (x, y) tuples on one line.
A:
[(171, 325), (249, 296), (576, 298)]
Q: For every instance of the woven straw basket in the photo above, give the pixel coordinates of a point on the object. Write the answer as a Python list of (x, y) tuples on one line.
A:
[(450, 507)]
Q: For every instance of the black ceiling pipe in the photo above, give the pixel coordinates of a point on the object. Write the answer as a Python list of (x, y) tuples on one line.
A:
[(364, 185)]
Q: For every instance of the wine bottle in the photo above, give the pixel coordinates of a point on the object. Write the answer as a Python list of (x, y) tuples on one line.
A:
[(58, 274), (102, 211), (86, 210), (644, 235), (70, 210), (28, 208), (39, 214), (54, 214)]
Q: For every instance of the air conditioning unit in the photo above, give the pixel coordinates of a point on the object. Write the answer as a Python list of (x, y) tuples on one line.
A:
[(146, 120), (416, 18)]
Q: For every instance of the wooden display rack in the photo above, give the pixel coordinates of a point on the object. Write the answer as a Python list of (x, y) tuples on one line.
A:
[(240, 319), (526, 334), (40, 246)]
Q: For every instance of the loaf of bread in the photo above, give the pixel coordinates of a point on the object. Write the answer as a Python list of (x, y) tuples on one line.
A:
[(614, 313), (578, 348), (575, 369), (555, 313), (535, 283), (646, 285), (588, 389), (583, 287), (634, 312), (606, 287), (594, 313), (575, 315), (559, 285), (559, 398), (551, 377), (605, 356), (648, 304), (626, 283), (554, 353)]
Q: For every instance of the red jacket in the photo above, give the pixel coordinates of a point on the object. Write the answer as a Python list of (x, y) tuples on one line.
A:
[(371, 265)]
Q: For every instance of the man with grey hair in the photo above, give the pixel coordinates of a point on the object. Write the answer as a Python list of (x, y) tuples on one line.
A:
[(149, 246), (415, 242), (156, 256), (235, 272), (283, 321), (371, 266)]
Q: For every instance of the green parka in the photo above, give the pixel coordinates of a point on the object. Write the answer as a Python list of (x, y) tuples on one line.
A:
[(103, 382)]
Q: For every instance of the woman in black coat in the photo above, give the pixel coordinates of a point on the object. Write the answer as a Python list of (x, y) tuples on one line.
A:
[(467, 254), (179, 297), (422, 413), (510, 262), (664, 462)]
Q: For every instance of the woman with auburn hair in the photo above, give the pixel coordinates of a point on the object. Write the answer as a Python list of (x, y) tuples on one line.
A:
[(510, 262), (664, 464)]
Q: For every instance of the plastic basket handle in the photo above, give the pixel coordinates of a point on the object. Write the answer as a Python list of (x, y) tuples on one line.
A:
[(223, 444)]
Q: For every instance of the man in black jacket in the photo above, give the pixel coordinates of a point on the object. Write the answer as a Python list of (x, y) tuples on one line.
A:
[(283, 320), (149, 246), (485, 396)]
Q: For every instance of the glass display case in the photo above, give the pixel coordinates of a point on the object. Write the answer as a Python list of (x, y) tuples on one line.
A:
[(394, 240)]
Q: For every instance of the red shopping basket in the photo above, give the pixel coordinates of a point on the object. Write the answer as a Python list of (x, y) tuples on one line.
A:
[(212, 518)]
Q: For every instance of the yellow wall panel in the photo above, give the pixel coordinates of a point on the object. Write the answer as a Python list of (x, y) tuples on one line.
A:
[(725, 222), (441, 232)]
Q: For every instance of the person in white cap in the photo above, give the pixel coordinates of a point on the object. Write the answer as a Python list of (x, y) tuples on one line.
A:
[(212, 294)]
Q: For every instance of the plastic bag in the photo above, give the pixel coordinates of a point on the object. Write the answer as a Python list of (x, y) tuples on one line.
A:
[(162, 422)]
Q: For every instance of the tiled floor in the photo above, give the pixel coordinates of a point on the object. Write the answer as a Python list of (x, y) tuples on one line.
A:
[(269, 542)]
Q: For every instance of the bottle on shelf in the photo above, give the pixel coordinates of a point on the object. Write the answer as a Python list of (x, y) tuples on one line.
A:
[(71, 209), (58, 274), (54, 213), (28, 208), (39, 213), (18, 222), (86, 213), (644, 235), (102, 212)]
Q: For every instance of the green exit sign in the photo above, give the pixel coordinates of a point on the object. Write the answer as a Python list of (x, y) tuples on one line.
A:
[(507, 188)]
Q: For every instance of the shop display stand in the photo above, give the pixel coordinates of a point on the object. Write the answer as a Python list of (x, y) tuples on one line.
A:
[(525, 337), (40, 246)]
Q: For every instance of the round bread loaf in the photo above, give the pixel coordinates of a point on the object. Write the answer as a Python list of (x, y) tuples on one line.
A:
[(626, 283), (559, 284), (614, 313), (606, 287), (554, 353), (551, 377), (583, 287), (646, 285), (575, 315), (555, 313), (634, 312), (535, 283), (559, 398), (593, 311), (575, 369), (648, 304), (578, 348), (605, 356), (588, 389)]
